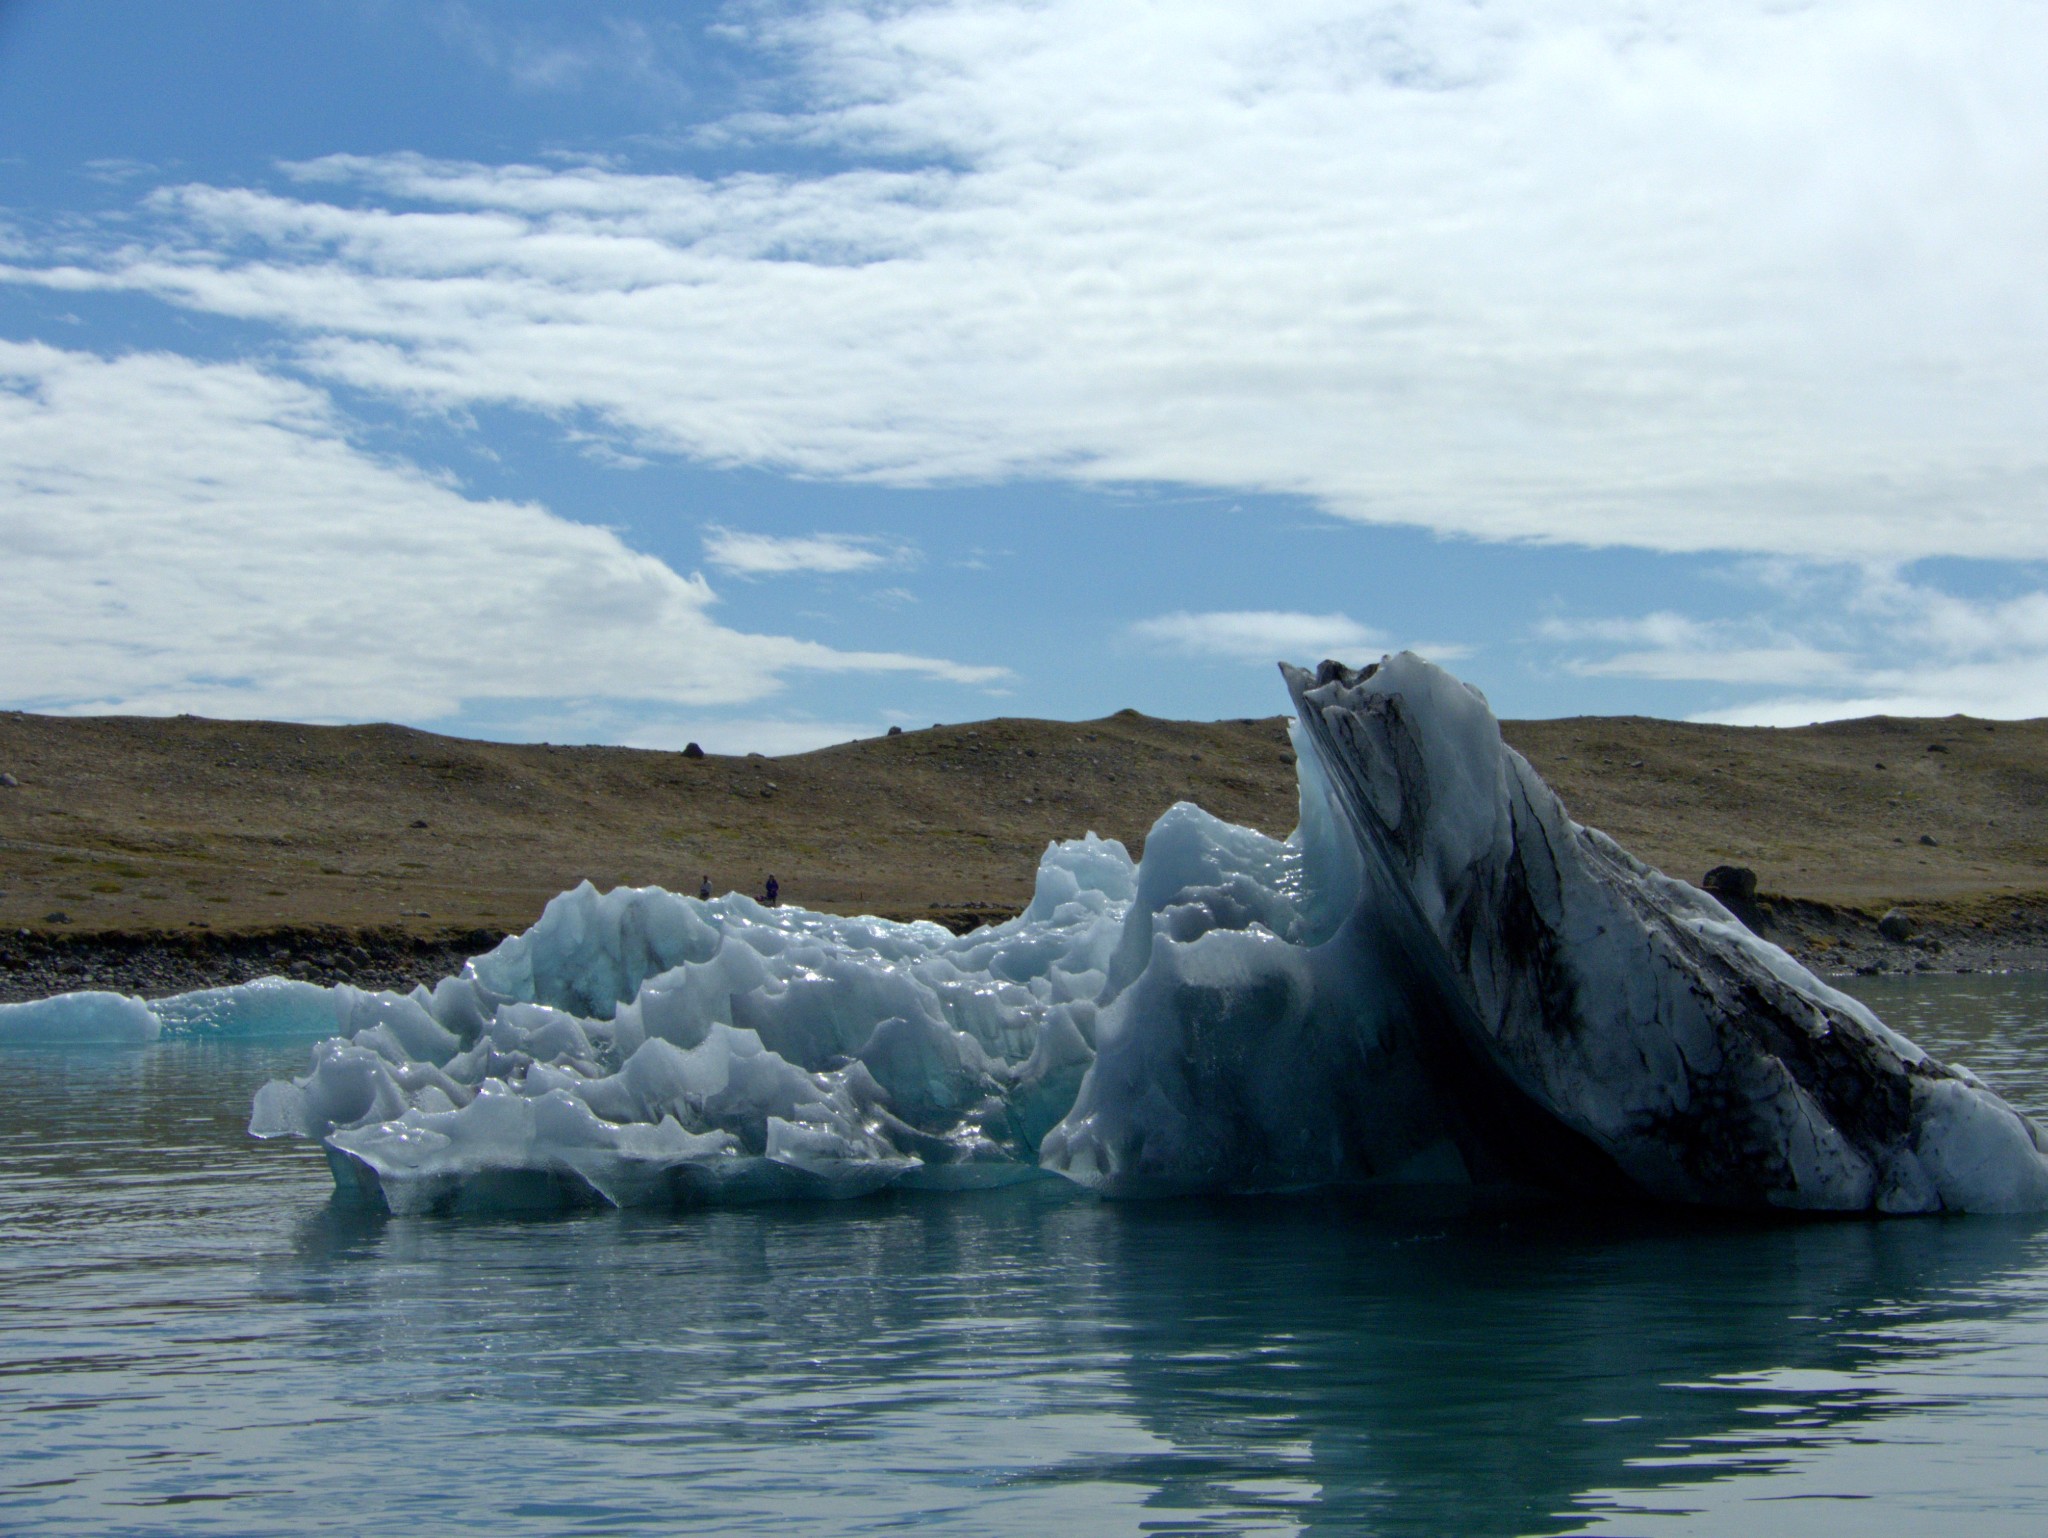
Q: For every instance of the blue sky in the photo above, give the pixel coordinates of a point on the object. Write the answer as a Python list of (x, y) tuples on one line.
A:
[(767, 374)]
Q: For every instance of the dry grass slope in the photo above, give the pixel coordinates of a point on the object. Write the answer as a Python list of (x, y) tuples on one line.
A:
[(130, 824)]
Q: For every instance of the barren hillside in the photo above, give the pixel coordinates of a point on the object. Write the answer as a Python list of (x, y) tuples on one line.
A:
[(127, 824)]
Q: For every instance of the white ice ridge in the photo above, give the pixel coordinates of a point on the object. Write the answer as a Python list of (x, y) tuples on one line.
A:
[(1438, 978)]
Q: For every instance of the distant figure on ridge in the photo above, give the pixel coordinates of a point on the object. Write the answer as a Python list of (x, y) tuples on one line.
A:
[(704, 890), (773, 891)]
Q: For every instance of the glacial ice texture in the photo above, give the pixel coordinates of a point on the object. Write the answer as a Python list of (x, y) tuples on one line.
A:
[(1438, 979), (1618, 1026)]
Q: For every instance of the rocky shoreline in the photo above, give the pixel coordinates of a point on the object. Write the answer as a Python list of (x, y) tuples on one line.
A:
[(155, 964), (1832, 941), (1846, 942)]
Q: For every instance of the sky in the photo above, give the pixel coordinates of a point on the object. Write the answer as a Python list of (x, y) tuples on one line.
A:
[(768, 374)]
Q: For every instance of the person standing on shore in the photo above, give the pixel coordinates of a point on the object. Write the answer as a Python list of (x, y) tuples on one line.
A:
[(704, 889), (772, 892)]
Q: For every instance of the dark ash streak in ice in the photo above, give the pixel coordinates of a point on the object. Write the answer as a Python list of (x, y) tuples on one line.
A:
[(1630, 1009)]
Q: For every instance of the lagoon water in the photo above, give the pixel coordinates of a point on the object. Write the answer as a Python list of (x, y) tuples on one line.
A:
[(193, 1338)]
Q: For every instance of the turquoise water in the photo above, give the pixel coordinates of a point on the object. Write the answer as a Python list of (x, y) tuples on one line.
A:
[(193, 1339)]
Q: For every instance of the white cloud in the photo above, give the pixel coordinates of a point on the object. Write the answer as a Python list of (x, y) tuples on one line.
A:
[(1851, 643), (1260, 635), (1663, 629), (1957, 627), (533, 59), (2009, 689), (1749, 276), (1672, 648), (761, 555), (117, 169), (1794, 663), (187, 536)]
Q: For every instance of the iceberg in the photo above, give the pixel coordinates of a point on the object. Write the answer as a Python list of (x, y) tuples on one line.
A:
[(1438, 980), (90, 1017), (636, 1047), (1618, 1026)]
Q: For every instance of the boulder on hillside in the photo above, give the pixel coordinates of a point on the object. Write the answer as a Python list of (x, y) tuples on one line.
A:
[(1731, 881)]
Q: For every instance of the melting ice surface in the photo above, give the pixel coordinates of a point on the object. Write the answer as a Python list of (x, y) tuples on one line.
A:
[(642, 1048), (1438, 979)]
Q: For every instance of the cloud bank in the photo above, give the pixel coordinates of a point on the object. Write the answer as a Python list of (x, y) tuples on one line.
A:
[(1262, 636), (177, 535), (1747, 277), (1860, 644), (770, 555)]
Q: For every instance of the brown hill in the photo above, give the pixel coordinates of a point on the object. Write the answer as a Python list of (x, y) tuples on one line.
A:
[(130, 824)]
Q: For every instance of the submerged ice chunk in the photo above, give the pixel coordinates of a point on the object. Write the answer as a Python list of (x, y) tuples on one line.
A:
[(268, 1009), (79, 1019)]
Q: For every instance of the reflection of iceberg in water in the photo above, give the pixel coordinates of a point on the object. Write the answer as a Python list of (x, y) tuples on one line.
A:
[(1482, 1378), (1231, 1367), (1439, 979)]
